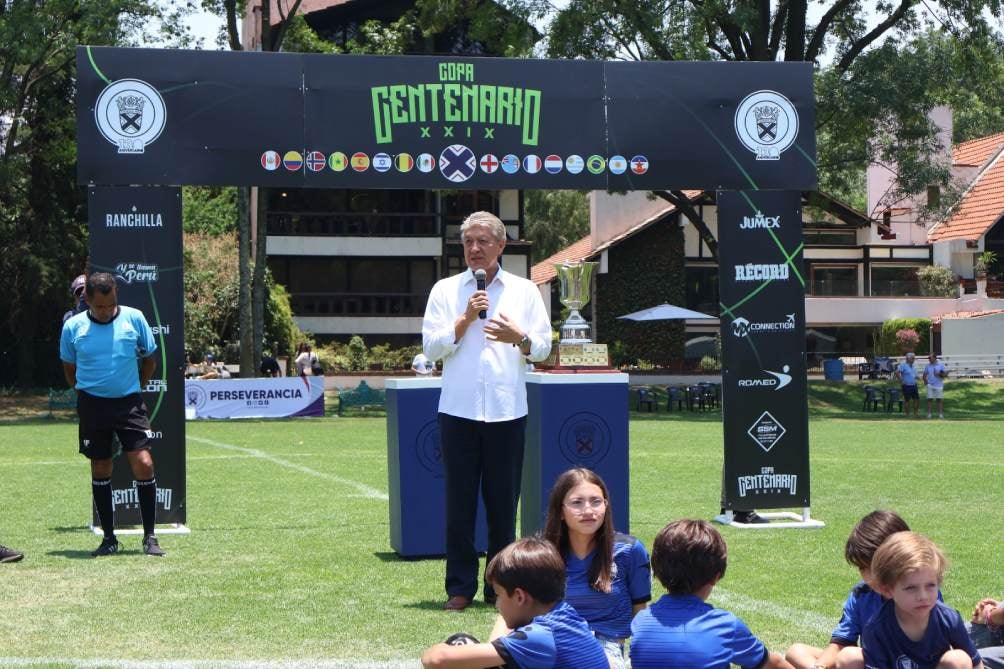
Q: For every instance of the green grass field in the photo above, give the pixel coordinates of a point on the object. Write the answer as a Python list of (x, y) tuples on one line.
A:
[(289, 563)]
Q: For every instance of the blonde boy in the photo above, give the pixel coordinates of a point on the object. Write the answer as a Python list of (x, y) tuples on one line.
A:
[(913, 630)]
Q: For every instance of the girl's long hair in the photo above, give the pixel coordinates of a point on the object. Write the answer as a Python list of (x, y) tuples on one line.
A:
[(556, 531)]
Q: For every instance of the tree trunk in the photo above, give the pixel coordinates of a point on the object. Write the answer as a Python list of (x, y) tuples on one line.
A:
[(258, 289), (244, 294)]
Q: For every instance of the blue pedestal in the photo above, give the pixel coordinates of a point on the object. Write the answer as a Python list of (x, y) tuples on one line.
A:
[(575, 420), (415, 471)]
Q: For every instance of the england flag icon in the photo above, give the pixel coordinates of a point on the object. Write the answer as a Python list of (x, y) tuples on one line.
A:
[(489, 163), (457, 163), (553, 164), (531, 164), (270, 160)]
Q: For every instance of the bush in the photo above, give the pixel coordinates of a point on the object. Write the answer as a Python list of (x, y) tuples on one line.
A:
[(887, 343), (907, 339), (358, 355), (710, 364), (937, 281)]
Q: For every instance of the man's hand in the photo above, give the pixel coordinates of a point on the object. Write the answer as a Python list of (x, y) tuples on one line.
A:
[(502, 329), (981, 614), (477, 303)]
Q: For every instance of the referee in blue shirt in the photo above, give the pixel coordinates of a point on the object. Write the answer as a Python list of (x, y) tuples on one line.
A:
[(100, 348)]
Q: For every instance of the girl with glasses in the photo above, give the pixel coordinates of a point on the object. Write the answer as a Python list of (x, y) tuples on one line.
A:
[(608, 573)]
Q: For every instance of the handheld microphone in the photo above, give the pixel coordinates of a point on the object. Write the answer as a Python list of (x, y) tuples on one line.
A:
[(480, 276)]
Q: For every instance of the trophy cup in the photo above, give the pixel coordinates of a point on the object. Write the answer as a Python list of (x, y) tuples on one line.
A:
[(576, 348)]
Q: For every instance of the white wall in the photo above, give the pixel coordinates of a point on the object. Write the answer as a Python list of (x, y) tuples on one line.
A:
[(973, 336), (874, 310), (611, 214), (360, 326)]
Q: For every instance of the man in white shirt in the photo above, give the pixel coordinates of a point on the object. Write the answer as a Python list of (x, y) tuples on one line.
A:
[(934, 379), (482, 406)]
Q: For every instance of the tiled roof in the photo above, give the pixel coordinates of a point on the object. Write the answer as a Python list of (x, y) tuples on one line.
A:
[(954, 315), (980, 207), (543, 272), (976, 151)]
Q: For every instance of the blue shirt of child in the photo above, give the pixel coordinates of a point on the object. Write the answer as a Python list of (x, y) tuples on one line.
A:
[(559, 639), (105, 353), (684, 632), (886, 646), (609, 613), (861, 604), (908, 375)]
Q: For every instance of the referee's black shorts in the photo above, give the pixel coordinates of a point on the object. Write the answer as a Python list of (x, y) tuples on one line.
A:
[(102, 417)]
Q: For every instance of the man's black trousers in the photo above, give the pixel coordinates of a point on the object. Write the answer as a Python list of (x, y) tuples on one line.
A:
[(485, 457)]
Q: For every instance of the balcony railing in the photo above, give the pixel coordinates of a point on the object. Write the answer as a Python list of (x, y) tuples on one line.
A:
[(994, 288), (358, 304), (352, 224)]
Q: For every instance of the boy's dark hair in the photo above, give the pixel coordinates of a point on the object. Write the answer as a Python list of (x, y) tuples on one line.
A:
[(533, 564), (687, 555), (868, 535), (102, 282)]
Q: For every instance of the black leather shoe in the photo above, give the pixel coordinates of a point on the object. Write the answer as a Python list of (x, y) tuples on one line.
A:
[(749, 517)]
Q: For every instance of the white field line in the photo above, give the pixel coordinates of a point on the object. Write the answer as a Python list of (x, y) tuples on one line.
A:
[(364, 490), (206, 664), (189, 458), (806, 620)]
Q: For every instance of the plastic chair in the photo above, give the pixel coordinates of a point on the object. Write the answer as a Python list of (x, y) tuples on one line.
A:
[(647, 398), (893, 395), (871, 399), (675, 395)]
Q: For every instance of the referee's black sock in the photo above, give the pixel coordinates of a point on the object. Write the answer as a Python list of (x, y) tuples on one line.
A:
[(102, 491), (147, 491)]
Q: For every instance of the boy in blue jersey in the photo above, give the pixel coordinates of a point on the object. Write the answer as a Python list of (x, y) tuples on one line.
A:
[(681, 630), (107, 353), (913, 630), (861, 604), (528, 577)]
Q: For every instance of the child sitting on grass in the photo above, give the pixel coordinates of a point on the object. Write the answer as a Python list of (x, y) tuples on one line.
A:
[(913, 630), (861, 604), (681, 630), (529, 578)]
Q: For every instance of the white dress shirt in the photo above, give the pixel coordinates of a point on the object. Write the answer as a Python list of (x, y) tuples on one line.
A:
[(484, 380)]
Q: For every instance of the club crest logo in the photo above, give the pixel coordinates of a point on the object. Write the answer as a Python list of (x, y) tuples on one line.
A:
[(429, 450), (130, 114), (195, 396), (584, 439), (457, 163), (767, 124)]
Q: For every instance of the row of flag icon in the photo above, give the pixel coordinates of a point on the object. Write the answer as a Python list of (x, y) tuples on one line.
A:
[(317, 161)]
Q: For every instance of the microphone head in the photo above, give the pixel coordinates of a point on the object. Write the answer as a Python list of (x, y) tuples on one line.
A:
[(480, 274)]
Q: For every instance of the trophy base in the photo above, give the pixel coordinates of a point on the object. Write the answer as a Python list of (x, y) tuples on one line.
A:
[(573, 357)]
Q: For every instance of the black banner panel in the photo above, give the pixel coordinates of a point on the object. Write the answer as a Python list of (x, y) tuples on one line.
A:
[(148, 116), (764, 407), (135, 234)]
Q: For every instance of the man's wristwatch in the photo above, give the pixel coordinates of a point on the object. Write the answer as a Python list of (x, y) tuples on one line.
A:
[(525, 341)]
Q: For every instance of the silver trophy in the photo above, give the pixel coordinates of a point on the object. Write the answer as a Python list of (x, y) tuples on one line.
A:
[(575, 280)]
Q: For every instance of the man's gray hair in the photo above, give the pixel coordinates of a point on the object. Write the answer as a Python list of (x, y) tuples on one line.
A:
[(487, 220)]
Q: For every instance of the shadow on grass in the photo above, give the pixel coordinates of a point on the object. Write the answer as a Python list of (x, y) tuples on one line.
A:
[(437, 605), (391, 556), (76, 555), (70, 529)]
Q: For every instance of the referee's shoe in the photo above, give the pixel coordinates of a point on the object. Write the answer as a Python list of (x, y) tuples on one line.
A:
[(10, 555), (151, 547)]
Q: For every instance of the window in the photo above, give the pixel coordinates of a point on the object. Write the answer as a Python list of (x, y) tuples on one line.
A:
[(895, 280), (833, 280), (702, 289), (830, 237)]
